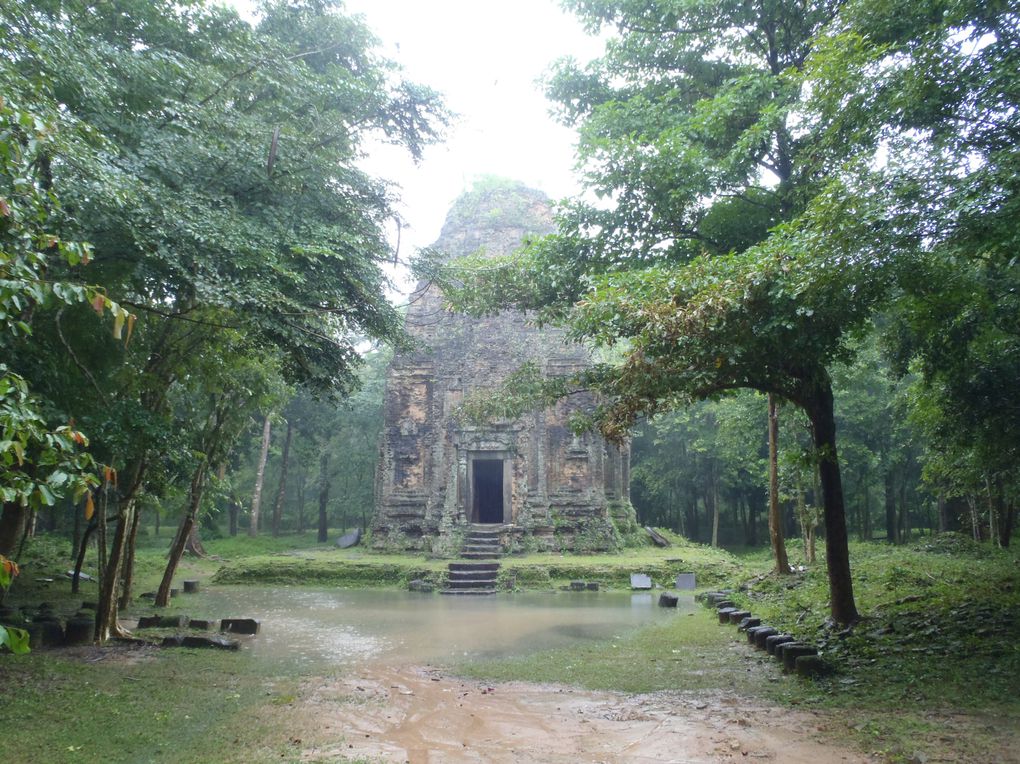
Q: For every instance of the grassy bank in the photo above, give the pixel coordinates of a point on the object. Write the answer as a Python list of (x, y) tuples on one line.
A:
[(931, 673)]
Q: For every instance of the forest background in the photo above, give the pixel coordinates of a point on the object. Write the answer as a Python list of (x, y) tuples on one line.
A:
[(193, 263)]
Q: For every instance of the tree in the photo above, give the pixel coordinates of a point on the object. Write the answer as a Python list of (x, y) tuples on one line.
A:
[(260, 472), (687, 126), (926, 96), (38, 462), (213, 167)]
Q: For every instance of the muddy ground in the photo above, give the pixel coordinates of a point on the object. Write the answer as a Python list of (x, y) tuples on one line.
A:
[(420, 716)]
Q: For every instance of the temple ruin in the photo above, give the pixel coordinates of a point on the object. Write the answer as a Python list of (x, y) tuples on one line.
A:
[(532, 479)]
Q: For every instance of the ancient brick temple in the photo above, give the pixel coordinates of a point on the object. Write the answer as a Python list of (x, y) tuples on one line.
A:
[(542, 486)]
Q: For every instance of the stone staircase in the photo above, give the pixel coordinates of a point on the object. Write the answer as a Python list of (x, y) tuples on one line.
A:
[(477, 575)]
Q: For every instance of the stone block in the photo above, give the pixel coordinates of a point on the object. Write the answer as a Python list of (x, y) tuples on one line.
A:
[(811, 666), (149, 622), (793, 651), (592, 586), (773, 641), (749, 622), (174, 622), (668, 599), (739, 615), (685, 581), (240, 625), (640, 581), (220, 643), (761, 634), (724, 614), (577, 586)]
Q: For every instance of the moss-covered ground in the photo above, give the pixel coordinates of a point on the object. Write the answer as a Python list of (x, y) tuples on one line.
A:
[(932, 672)]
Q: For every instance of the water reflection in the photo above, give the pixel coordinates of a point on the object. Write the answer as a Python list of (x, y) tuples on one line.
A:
[(329, 626)]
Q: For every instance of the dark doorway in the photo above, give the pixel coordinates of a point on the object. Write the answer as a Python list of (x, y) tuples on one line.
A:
[(488, 490)]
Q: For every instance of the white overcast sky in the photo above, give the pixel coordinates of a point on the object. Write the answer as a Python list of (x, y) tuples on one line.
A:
[(485, 57)]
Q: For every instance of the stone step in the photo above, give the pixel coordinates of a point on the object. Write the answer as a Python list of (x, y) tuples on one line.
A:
[(473, 566), (472, 575), (481, 555), (467, 592), (482, 583), (481, 548)]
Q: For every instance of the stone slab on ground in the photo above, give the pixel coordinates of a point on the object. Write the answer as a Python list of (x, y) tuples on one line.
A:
[(640, 581), (685, 581)]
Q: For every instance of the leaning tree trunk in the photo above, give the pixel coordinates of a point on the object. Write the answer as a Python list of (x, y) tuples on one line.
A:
[(256, 499), (106, 611), (818, 405), (183, 533), (80, 557), (281, 492), (775, 518), (323, 497)]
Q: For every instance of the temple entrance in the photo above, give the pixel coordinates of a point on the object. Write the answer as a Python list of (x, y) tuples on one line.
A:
[(487, 490)]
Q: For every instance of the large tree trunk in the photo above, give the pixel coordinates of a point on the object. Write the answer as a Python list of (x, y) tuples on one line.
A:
[(775, 518), (260, 473), (106, 612), (234, 509), (281, 492), (323, 497), (183, 534), (13, 522), (818, 405)]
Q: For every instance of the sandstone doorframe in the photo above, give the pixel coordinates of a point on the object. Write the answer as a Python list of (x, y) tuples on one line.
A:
[(470, 503)]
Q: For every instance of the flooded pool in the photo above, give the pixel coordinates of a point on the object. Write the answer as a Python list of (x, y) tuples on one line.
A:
[(330, 626)]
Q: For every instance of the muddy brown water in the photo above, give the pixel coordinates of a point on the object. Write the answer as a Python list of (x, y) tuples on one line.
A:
[(322, 627)]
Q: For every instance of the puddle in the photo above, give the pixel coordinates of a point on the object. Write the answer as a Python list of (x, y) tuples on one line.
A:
[(323, 627)]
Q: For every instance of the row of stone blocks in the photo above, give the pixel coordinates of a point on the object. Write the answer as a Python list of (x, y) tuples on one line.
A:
[(795, 656)]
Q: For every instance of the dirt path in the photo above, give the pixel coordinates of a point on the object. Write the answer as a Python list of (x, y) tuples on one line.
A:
[(424, 717)]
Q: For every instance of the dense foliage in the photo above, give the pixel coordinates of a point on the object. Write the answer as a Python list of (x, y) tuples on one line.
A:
[(212, 165), (769, 180)]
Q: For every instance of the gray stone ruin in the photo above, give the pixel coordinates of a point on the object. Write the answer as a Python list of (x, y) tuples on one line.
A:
[(539, 484)]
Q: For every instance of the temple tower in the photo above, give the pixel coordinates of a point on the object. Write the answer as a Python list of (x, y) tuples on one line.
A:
[(540, 484)]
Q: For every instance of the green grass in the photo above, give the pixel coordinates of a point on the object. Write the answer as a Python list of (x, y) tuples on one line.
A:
[(931, 671), (169, 706)]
